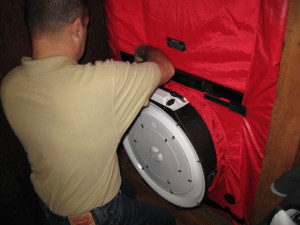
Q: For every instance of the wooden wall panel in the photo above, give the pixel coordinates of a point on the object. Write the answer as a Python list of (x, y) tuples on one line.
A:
[(97, 47), (18, 202), (282, 151), (14, 36)]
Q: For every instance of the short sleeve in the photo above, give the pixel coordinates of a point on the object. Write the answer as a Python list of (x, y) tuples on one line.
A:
[(134, 84)]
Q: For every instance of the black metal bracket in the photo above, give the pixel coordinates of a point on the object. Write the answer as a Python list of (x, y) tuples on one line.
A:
[(217, 93)]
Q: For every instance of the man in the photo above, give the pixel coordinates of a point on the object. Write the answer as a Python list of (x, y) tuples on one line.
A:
[(70, 118)]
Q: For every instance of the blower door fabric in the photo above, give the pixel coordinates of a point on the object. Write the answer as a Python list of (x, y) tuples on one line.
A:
[(233, 43), (219, 35)]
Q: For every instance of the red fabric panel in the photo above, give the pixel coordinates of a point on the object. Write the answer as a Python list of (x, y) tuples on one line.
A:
[(219, 35), (234, 43), (260, 94)]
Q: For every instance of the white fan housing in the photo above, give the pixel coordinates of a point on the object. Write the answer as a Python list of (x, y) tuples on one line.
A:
[(159, 146)]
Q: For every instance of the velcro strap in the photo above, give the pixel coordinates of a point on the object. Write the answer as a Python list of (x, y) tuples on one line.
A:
[(83, 219)]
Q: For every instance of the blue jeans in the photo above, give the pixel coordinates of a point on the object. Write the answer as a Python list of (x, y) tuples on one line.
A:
[(121, 210)]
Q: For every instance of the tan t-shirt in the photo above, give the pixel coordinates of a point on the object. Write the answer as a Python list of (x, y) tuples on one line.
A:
[(70, 119)]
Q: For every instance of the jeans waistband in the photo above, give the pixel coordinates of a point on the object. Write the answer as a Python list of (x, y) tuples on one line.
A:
[(64, 220)]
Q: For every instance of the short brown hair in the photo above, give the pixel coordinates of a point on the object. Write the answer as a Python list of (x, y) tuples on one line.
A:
[(52, 15)]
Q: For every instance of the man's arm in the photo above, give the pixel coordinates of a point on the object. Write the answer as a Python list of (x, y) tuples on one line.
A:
[(147, 53)]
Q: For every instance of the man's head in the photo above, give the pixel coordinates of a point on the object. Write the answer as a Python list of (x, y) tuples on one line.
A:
[(51, 16), (57, 27)]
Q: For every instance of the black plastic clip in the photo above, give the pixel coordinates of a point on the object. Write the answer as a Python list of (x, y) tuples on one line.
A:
[(234, 107)]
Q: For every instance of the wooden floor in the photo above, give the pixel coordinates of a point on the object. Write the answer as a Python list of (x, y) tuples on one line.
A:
[(199, 216)]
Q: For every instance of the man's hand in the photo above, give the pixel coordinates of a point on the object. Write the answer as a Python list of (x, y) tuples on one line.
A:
[(139, 53), (147, 53)]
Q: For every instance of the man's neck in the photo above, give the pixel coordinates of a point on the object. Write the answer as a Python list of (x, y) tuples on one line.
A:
[(48, 46)]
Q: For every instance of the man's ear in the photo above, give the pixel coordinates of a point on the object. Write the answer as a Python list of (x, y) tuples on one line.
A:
[(76, 27)]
